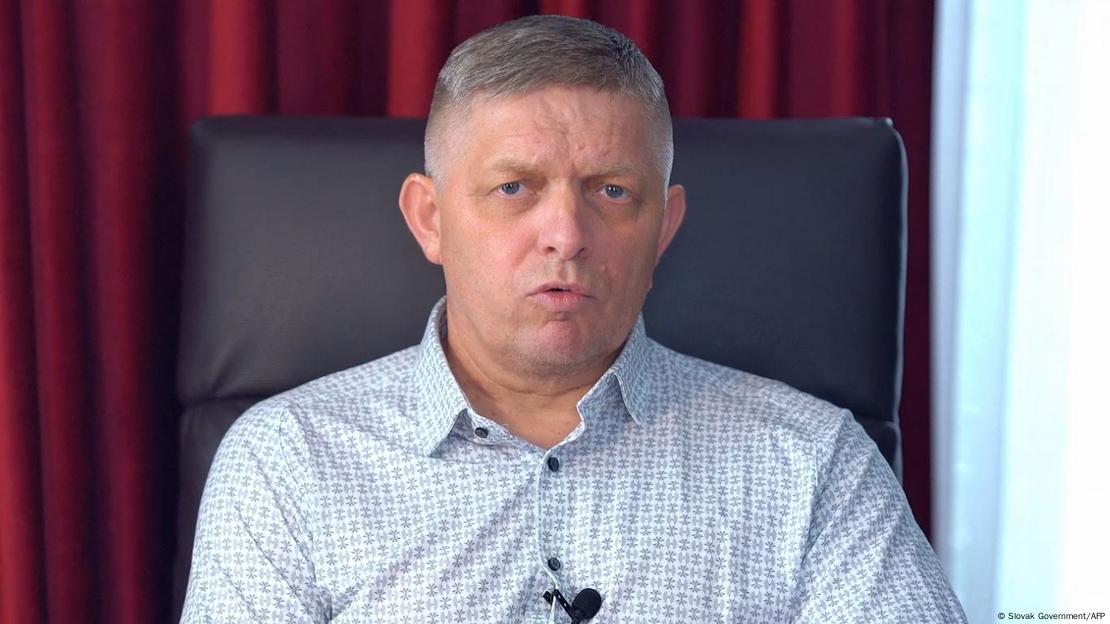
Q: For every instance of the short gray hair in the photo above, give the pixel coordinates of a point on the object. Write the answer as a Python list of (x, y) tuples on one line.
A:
[(545, 51)]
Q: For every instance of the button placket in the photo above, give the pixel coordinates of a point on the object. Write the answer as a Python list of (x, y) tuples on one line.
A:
[(554, 507)]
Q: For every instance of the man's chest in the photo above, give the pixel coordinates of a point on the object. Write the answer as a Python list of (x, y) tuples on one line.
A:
[(479, 536)]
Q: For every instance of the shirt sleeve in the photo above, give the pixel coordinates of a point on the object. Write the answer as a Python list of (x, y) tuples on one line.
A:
[(252, 552), (867, 560)]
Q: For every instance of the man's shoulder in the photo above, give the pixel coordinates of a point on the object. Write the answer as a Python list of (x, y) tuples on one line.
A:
[(365, 382), (351, 392), (747, 400)]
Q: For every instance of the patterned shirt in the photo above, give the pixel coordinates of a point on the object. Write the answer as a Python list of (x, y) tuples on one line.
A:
[(689, 492)]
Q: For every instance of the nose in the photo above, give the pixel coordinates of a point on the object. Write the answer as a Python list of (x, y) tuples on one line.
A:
[(564, 227)]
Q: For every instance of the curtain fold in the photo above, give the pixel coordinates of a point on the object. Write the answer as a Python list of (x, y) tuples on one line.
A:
[(95, 102), (21, 536), (55, 178)]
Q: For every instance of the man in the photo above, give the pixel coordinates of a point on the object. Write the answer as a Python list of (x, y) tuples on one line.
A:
[(537, 441)]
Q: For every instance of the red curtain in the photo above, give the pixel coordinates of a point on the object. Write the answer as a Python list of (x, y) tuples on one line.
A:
[(95, 100)]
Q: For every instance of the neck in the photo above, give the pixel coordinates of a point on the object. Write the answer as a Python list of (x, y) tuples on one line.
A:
[(539, 409)]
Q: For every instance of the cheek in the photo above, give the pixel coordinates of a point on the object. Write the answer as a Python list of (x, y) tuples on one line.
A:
[(632, 260), (483, 257)]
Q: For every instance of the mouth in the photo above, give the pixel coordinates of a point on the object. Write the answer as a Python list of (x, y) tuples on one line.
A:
[(562, 287), (561, 296)]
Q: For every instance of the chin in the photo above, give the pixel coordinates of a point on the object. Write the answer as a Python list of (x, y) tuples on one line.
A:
[(562, 351), (549, 364), (563, 337)]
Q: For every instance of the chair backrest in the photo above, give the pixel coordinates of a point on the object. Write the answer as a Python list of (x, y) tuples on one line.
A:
[(790, 264)]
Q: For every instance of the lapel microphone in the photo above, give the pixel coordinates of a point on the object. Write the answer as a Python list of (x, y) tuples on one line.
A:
[(585, 605)]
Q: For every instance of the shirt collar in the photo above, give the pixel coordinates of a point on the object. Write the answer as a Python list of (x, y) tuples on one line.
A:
[(441, 401), (439, 398), (630, 372)]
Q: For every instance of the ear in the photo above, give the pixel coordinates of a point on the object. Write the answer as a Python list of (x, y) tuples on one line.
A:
[(672, 218), (419, 206)]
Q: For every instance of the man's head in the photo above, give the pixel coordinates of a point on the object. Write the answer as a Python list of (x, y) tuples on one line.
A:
[(534, 52), (548, 152)]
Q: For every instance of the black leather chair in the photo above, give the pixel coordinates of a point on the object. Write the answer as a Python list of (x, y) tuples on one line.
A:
[(790, 264)]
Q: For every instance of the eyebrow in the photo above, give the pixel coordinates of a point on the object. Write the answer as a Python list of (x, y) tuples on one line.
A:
[(512, 165), (615, 170)]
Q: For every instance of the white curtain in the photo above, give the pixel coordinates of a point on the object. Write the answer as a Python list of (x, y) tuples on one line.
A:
[(1021, 265)]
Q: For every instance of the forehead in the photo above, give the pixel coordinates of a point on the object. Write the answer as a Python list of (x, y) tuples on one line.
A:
[(559, 127)]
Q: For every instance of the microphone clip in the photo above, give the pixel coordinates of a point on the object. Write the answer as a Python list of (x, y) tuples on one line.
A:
[(586, 604)]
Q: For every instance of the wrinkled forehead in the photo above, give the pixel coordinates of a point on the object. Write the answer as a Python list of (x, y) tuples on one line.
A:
[(585, 129), (589, 127)]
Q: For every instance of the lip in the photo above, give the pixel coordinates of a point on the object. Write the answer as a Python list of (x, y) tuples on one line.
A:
[(569, 287), (561, 296)]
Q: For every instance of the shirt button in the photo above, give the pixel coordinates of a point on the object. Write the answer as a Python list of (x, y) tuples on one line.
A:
[(554, 564), (553, 464), (481, 432)]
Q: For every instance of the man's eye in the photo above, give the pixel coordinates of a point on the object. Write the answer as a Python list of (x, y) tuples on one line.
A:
[(612, 191), (510, 188)]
